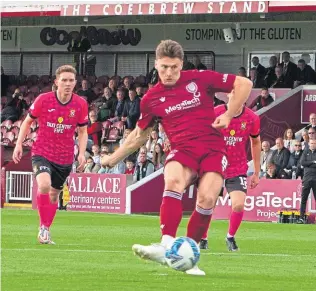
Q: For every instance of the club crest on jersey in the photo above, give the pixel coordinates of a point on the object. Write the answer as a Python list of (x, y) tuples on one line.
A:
[(192, 88), (232, 132), (162, 99), (243, 125), (60, 119), (72, 113)]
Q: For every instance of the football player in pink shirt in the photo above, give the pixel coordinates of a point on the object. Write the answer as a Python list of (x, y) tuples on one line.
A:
[(244, 126), (183, 101), (59, 114)]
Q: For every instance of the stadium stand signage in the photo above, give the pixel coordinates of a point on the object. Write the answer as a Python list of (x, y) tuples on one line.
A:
[(308, 105), (50, 36)]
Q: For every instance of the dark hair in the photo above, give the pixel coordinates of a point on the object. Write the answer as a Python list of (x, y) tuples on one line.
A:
[(264, 89), (302, 61), (242, 69), (169, 48), (255, 57), (286, 52)]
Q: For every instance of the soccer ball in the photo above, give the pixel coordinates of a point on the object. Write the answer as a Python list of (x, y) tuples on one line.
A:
[(183, 254)]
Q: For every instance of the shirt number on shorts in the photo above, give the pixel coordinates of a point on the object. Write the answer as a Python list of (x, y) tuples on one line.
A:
[(243, 182)]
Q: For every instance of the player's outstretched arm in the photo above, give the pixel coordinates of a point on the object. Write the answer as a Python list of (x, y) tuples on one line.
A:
[(242, 90), (25, 128), (255, 153), (132, 143)]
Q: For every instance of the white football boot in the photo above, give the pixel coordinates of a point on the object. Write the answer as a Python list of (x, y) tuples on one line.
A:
[(44, 236), (154, 252), (195, 271)]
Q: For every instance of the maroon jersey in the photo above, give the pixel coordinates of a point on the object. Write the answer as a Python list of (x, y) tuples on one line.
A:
[(186, 110), (57, 124), (236, 136)]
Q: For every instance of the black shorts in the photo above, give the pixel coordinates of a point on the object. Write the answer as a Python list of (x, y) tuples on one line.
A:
[(58, 173), (235, 184)]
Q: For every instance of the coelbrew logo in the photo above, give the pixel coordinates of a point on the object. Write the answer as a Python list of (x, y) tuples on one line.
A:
[(186, 104), (266, 200)]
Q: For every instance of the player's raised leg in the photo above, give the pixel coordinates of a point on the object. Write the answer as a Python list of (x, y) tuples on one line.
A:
[(238, 201), (177, 178)]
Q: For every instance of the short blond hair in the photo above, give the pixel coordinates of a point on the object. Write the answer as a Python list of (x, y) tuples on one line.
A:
[(65, 69), (169, 48)]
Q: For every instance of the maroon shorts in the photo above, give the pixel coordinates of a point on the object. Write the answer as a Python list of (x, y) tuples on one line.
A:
[(212, 161)]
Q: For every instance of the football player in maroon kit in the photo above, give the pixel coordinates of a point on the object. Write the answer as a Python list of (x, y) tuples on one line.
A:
[(59, 114), (245, 125), (183, 101)]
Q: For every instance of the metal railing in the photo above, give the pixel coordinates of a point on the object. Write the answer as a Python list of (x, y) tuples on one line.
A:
[(19, 186)]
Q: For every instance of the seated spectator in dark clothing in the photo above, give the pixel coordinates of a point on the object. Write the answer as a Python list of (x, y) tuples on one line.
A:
[(218, 101), (270, 76), (14, 108), (198, 64), (311, 136), (5, 82), (312, 120), (143, 168), (242, 72), (118, 106), (289, 69), (256, 82), (261, 70), (113, 86), (280, 156), (131, 111), (280, 81), (187, 65), (305, 74), (94, 128), (86, 92), (127, 83), (139, 90), (105, 105), (262, 100), (271, 171), (294, 161)]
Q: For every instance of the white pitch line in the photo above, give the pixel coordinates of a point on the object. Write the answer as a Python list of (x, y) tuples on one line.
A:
[(53, 249)]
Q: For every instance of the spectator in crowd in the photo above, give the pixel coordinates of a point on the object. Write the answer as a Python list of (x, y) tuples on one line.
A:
[(127, 83), (96, 154), (294, 161), (306, 57), (242, 72), (166, 147), (305, 139), (311, 136), (151, 143), (152, 77), (308, 161), (305, 74), (105, 104), (218, 101), (289, 140), (94, 128), (86, 92), (265, 157), (271, 171), (119, 168), (261, 70), (257, 82), (270, 76), (198, 64), (158, 157), (161, 131), (118, 106), (130, 166), (280, 156), (263, 100), (280, 81), (14, 108), (113, 87), (105, 148), (139, 90), (142, 150), (289, 69), (131, 110), (5, 82), (186, 64), (312, 120), (91, 166), (127, 131), (144, 168)]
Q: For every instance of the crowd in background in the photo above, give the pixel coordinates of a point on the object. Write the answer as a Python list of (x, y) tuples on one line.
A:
[(115, 99)]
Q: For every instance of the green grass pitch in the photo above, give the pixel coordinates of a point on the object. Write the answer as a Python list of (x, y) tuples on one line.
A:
[(93, 252)]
